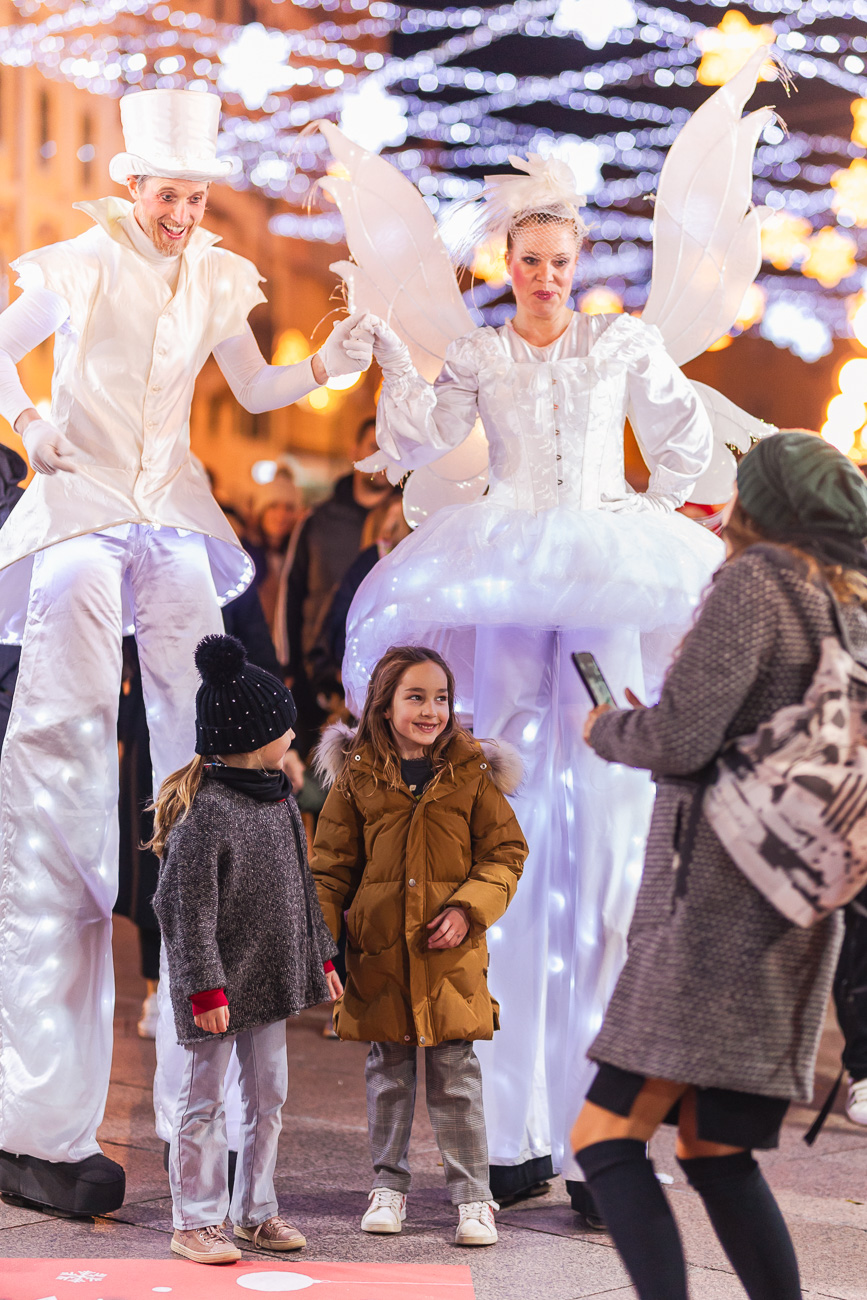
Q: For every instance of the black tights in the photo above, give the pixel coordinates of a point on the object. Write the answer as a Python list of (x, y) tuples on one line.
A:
[(739, 1203)]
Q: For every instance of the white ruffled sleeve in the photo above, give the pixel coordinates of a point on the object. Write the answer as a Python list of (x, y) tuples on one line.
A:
[(417, 422), (669, 421)]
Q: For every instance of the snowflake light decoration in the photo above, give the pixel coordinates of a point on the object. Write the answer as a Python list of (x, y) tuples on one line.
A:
[(373, 118), (254, 65)]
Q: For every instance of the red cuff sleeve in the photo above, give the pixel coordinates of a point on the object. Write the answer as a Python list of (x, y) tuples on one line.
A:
[(208, 1000), (328, 966)]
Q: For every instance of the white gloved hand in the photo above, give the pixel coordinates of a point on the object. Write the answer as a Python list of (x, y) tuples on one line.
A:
[(349, 346), (47, 448), (390, 351)]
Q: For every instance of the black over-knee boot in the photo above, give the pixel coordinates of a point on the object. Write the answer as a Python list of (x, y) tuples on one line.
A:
[(637, 1215), (748, 1223)]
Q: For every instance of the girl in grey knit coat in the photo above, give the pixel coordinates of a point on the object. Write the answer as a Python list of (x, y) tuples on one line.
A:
[(247, 946)]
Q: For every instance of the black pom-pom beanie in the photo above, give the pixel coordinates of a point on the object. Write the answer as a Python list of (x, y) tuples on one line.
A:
[(239, 707)]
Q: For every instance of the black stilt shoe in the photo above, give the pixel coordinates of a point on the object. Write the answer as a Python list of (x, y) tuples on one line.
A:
[(584, 1206), (511, 1183), (86, 1187)]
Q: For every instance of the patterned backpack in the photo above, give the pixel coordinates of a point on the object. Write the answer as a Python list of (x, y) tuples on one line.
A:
[(789, 802)]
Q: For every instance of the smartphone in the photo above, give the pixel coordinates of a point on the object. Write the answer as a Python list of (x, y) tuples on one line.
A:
[(591, 675)]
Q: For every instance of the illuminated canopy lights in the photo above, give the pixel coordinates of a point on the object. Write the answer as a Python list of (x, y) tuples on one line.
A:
[(447, 117)]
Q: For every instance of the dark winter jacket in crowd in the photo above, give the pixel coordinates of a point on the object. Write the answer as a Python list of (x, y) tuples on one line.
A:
[(238, 911), (12, 471), (327, 545), (719, 989)]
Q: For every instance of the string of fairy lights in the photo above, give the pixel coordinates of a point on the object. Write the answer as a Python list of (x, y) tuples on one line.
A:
[(444, 114)]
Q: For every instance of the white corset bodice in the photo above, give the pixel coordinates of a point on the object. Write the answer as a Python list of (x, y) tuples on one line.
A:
[(554, 416)]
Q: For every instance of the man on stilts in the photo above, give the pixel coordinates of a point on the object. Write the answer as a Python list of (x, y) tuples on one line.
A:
[(117, 532)]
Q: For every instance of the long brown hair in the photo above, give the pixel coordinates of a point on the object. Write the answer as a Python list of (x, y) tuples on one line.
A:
[(174, 801), (374, 729), (742, 531)]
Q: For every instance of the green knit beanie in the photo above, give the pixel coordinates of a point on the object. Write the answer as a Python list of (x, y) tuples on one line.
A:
[(797, 482)]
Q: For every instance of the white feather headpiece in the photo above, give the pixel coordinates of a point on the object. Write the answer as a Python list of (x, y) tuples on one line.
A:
[(543, 187)]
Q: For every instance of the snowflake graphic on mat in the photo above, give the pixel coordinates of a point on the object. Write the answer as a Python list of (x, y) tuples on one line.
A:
[(84, 1275)]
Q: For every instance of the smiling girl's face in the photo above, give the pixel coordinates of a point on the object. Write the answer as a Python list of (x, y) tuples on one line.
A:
[(541, 261), (419, 710)]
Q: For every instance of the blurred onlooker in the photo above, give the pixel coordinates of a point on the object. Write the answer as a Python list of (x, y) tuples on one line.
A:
[(279, 509), (328, 541), (850, 1000), (12, 470), (384, 527)]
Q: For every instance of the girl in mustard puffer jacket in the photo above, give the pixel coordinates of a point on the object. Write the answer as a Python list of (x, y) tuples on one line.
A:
[(419, 843)]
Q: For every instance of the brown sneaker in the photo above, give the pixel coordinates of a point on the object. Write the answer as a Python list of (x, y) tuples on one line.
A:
[(205, 1246), (274, 1234)]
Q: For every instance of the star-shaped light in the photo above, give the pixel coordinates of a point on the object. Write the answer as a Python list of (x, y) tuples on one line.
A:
[(850, 191), (725, 49), (373, 118), (859, 126), (254, 65), (785, 239), (831, 257)]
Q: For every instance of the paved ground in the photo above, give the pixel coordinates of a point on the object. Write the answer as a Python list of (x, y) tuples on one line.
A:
[(323, 1181)]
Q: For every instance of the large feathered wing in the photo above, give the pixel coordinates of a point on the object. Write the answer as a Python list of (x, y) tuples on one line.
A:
[(706, 234), (400, 267), (402, 272), (707, 252)]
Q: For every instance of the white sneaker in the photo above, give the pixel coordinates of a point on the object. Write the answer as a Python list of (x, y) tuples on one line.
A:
[(147, 1026), (386, 1213), (856, 1102), (477, 1227)]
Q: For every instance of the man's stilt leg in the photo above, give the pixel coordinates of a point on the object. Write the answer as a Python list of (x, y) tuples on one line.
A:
[(175, 606), (58, 838)]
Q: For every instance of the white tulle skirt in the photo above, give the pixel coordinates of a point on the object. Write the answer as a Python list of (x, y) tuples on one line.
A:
[(506, 597)]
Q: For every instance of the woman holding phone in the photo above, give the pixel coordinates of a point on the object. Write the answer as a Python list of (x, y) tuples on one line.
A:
[(716, 1017)]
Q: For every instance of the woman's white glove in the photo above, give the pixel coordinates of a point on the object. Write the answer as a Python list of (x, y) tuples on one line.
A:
[(47, 448), (390, 351), (349, 346)]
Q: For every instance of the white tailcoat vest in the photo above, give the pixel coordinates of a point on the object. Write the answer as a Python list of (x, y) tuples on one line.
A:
[(125, 364)]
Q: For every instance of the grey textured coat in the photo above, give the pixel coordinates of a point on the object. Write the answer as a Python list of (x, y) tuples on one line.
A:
[(238, 911), (719, 990)]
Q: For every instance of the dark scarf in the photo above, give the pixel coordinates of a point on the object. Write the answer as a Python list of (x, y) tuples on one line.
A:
[(264, 787)]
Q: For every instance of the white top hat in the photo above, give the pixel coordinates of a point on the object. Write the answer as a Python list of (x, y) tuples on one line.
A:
[(171, 133)]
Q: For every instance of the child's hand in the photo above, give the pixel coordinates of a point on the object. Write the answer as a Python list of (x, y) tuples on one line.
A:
[(449, 929), (214, 1022), (335, 988)]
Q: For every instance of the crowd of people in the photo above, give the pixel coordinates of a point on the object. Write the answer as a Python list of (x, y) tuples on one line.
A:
[(398, 788), (417, 853)]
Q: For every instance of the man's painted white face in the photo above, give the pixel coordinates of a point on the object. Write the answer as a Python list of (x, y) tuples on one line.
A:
[(168, 211)]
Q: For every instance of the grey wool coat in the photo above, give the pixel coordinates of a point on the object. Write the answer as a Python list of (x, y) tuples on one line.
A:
[(719, 989), (238, 910)]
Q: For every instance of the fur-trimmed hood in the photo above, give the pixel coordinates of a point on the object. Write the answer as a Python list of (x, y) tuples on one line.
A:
[(504, 761)]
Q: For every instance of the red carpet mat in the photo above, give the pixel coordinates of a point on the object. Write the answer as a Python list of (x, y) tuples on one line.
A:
[(179, 1279)]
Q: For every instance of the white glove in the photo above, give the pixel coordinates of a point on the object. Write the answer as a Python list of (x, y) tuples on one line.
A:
[(348, 347), (390, 351), (47, 448)]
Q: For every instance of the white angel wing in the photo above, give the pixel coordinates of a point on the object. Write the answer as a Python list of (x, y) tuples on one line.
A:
[(400, 267), (732, 427), (402, 272), (706, 236), (707, 252)]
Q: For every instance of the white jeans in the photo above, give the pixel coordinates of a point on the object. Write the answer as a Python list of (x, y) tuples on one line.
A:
[(58, 812), (199, 1160)]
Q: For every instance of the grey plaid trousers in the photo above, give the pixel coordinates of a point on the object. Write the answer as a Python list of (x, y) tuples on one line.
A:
[(453, 1087)]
